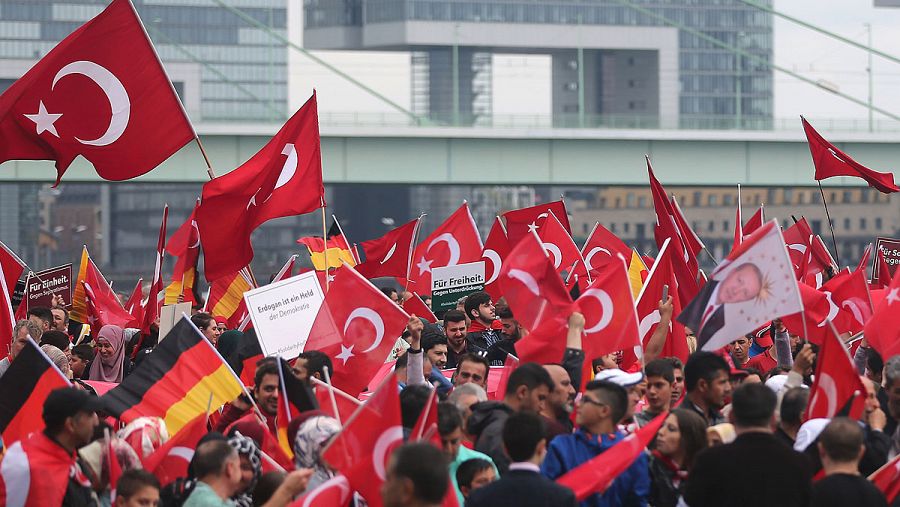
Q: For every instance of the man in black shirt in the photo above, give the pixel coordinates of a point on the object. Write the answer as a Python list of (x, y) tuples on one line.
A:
[(841, 448)]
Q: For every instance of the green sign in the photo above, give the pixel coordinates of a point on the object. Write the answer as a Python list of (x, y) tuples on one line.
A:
[(449, 284)]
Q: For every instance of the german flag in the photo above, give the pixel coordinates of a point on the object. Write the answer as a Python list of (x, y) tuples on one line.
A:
[(79, 305), (635, 269), (294, 397), (176, 381), (338, 249), (23, 389), (226, 297), (185, 245)]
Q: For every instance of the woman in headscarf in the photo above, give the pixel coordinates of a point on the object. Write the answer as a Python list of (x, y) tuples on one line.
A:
[(59, 359), (311, 438), (251, 468), (228, 343), (109, 365)]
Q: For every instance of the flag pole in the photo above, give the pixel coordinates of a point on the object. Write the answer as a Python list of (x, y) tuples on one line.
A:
[(325, 243), (345, 238), (209, 169), (837, 255), (412, 248)]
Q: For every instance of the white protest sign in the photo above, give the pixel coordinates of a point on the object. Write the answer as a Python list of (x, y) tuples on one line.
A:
[(283, 313)]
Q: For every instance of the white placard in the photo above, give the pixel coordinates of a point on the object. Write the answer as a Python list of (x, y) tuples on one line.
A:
[(283, 313), (171, 314)]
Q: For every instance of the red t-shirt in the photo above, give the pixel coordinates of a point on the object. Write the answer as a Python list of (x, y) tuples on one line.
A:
[(762, 362)]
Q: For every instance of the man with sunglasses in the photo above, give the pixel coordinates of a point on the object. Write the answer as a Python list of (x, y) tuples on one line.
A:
[(600, 408)]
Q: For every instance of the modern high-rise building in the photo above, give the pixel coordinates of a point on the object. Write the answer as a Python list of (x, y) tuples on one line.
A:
[(628, 63)]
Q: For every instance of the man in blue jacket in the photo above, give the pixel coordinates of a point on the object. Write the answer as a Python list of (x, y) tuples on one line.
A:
[(600, 409)]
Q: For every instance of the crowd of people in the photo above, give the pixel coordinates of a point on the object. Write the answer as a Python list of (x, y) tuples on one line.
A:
[(734, 431)]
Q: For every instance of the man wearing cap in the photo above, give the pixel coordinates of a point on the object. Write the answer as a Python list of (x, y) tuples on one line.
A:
[(70, 419), (629, 381)]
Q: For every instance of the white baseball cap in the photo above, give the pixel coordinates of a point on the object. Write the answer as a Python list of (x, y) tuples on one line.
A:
[(617, 376)]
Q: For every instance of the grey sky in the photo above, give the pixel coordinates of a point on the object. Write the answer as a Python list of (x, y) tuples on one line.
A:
[(521, 83)]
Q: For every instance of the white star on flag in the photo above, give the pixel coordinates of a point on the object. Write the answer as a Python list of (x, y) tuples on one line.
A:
[(346, 353), (424, 265), (893, 296), (43, 120), (532, 227)]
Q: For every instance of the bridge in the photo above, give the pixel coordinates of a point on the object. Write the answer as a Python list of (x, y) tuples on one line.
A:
[(380, 148)]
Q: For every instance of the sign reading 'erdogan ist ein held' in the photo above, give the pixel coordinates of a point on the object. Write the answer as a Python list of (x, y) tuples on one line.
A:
[(283, 313), (450, 283)]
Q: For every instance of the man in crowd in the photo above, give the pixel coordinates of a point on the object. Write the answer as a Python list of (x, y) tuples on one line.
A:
[(782, 476), (463, 397), (601, 407), (706, 378), (265, 390), (22, 332), (218, 469), (41, 316), (511, 328), (660, 377), (70, 418), (450, 429), (527, 390), (473, 474), (523, 485), (631, 382), (60, 319), (566, 380), (793, 405), (484, 337), (137, 488), (311, 364), (678, 383), (416, 477), (392, 294), (740, 350), (471, 368), (841, 447), (455, 330), (80, 360), (434, 345), (891, 375)]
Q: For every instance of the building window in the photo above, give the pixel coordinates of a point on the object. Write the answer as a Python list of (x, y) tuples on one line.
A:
[(642, 202), (816, 226), (848, 197), (788, 196), (724, 225), (584, 228), (862, 224), (846, 224), (698, 199), (640, 231), (626, 226), (629, 200), (801, 198), (878, 224), (710, 226), (612, 227), (726, 200), (712, 200)]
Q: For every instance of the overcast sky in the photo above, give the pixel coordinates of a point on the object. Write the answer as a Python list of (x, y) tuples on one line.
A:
[(522, 83)]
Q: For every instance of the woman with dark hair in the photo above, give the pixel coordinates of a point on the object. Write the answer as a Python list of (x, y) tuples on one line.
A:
[(680, 438)]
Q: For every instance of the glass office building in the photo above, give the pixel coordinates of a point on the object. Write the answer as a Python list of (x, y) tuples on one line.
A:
[(223, 67), (613, 60)]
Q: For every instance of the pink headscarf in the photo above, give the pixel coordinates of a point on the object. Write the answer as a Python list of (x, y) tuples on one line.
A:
[(110, 370)]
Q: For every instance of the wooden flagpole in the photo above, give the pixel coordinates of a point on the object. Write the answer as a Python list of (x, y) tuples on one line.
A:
[(325, 243), (837, 255)]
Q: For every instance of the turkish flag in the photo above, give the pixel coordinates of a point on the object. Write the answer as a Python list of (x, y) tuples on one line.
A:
[(496, 249), (887, 479), (837, 389), (357, 326), (811, 322), (689, 237), (684, 262), (831, 161), (882, 331), (390, 254), (601, 248), (456, 241), (103, 305), (362, 449), (597, 474), (171, 460), (610, 316), (426, 424), (346, 405), (798, 239), (155, 298), (134, 305), (7, 315), (114, 469), (184, 245), (884, 271), (647, 305), (558, 243), (282, 179), (12, 267), (415, 306), (864, 260), (533, 289), (334, 492), (755, 222), (100, 93), (520, 222)]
